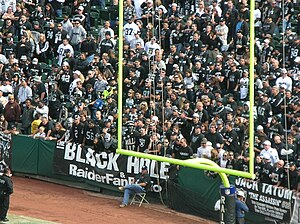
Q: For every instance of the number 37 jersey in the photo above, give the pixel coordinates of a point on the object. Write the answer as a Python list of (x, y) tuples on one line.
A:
[(129, 30)]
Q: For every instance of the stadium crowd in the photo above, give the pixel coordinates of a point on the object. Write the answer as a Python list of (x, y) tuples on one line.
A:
[(185, 86)]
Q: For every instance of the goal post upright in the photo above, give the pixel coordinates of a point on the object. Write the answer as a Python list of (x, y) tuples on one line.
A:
[(193, 163)]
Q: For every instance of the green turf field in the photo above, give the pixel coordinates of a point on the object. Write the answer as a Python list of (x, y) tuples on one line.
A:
[(14, 219)]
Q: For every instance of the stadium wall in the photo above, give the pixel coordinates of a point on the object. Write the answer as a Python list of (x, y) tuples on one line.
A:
[(188, 190)]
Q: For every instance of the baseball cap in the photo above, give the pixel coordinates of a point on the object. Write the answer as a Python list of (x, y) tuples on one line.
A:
[(23, 58), (65, 64), (241, 193), (77, 116), (196, 115), (292, 164), (77, 72), (37, 79), (204, 140), (35, 61), (80, 8), (144, 168), (267, 142), (259, 128), (283, 70)]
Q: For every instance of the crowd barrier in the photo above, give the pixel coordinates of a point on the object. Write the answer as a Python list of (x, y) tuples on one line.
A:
[(188, 190)]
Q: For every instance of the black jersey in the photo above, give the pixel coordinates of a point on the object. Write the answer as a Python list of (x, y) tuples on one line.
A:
[(77, 133), (90, 133)]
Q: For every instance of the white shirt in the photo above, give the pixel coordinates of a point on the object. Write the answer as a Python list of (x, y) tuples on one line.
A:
[(138, 9), (24, 93), (272, 153), (151, 47), (6, 3), (3, 101), (129, 30), (103, 31), (224, 33), (136, 40), (286, 81), (44, 111), (204, 152), (257, 16), (61, 52), (6, 89), (67, 26)]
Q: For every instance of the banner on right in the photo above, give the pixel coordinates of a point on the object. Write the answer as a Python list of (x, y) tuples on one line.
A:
[(273, 202)]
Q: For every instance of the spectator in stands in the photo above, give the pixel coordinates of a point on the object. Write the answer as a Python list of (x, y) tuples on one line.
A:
[(204, 151), (3, 123), (27, 117), (57, 133), (277, 173), (12, 112)]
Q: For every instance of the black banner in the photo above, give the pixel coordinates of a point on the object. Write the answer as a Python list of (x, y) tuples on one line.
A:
[(265, 199), (105, 168), (5, 151)]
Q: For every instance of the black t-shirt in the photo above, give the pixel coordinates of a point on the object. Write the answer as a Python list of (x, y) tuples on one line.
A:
[(183, 152), (57, 134), (142, 142), (41, 89), (90, 133), (144, 179), (77, 133), (48, 126), (64, 82)]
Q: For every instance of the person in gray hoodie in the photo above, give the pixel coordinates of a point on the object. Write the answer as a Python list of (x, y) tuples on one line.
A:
[(78, 34)]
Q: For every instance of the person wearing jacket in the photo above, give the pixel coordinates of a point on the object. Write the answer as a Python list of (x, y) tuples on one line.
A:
[(6, 189)]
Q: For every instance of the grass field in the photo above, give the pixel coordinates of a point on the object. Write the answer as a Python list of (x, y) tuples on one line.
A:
[(15, 219)]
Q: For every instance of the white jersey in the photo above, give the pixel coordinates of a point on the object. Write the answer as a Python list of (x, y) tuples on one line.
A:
[(150, 48), (287, 81), (244, 87), (129, 30), (138, 9), (44, 111), (61, 52), (6, 3), (224, 33), (257, 18), (204, 152), (7, 89), (272, 153), (134, 41)]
